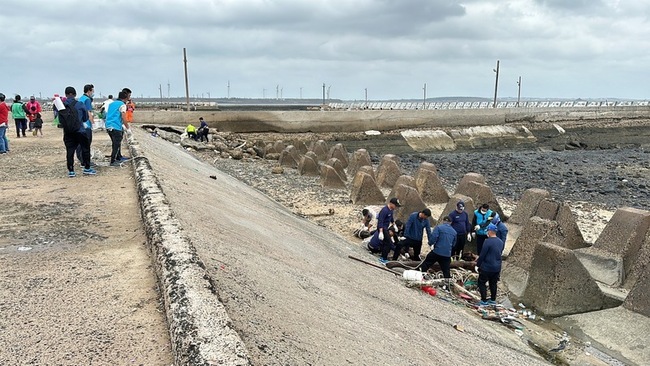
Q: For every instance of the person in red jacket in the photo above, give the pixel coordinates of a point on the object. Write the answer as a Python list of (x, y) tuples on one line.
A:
[(4, 124), (31, 108)]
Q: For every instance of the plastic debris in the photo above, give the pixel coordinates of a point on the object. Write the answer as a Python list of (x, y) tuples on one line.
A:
[(459, 328), (24, 249)]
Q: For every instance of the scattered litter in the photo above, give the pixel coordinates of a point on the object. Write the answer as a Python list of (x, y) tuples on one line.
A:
[(522, 306), (519, 332), (24, 249), (561, 346), (459, 328), (372, 133), (213, 177)]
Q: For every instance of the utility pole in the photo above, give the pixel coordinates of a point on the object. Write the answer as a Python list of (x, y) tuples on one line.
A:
[(496, 85), (518, 91), (323, 94), (277, 91), (168, 89), (187, 83), (366, 89), (281, 89), (161, 97), (228, 89), (328, 92), (301, 92), (424, 100)]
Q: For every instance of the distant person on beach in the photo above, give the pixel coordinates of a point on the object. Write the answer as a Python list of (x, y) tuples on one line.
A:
[(191, 131), (4, 124), (38, 125), (115, 124), (19, 115), (365, 231), (204, 130), (130, 108)]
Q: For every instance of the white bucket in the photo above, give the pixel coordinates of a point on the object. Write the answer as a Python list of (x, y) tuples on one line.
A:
[(412, 275)]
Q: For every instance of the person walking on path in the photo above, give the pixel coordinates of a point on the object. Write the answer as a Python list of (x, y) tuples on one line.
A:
[(115, 122), (489, 265), (33, 107), (75, 136), (19, 115), (4, 124), (460, 223), (87, 119), (384, 220), (414, 229), (442, 241)]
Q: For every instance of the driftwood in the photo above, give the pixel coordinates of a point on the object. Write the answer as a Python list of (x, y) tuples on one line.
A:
[(374, 265), (460, 288)]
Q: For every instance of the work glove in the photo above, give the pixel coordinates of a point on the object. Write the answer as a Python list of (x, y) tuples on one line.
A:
[(469, 237), (476, 269), (381, 235), (477, 228), (490, 218)]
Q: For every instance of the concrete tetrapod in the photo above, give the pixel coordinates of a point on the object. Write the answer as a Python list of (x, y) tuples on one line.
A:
[(388, 171), (527, 206), (365, 191), (410, 200), (359, 158), (429, 185)]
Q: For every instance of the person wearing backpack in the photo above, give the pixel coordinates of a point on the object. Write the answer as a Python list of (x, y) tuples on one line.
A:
[(19, 115), (71, 120)]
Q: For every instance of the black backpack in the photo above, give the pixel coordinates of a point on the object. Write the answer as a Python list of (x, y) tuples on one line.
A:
[(69, 118)]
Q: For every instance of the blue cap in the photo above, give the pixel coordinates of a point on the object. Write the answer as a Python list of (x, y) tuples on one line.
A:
[(492, 227)]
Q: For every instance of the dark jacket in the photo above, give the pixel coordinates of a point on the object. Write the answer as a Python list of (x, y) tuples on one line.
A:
[(414, 227), (490, 258), (443, 240), (502, 231), (460, 222), (385, 219)]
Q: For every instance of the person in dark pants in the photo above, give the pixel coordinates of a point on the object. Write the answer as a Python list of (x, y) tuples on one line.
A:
[(115, 119), (73, 139), (88, 119), (482, 218), (384, 220), (19, 115), (413, 233), (442, 241), (460, 223), (203, 131), (489, 266)]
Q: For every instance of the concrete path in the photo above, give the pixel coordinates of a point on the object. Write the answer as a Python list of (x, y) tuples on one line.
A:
[(293, 295), (76, 284)]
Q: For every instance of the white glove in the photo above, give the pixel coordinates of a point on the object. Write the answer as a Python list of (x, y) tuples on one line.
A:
[(476, 269), (381, 235), (469, 237), (477, 228)]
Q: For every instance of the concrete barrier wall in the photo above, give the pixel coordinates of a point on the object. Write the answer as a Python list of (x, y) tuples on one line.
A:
[(355, 121)]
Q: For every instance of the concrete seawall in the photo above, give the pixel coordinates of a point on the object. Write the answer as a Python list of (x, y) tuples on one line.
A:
[(356, 121)]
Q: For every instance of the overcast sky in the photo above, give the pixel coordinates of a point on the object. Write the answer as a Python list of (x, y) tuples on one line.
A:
[(560, 48)]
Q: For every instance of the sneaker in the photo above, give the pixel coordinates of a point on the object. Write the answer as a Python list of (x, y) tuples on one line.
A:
[(383, 261), (72, 174), (90, 171), (116, 163), (483, 303), (125, 158), (93, 165), (492, 302)]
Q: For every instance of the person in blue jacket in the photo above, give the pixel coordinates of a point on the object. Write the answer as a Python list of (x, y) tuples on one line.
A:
[(489, 265), (502, 229), (442, 241), (460, 223), (413, 233), (384, 220), (482, 218)]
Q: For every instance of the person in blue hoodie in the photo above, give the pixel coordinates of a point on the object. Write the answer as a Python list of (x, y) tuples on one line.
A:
[(489, 265), (482, 218), (442, 241), (460, 223), (413, 233)]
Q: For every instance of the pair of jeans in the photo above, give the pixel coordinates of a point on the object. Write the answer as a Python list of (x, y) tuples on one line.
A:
[(72, 141), (432, 258), (21, 126), (4, 143), (116, 144), (492, 278), (405, 244)]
